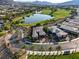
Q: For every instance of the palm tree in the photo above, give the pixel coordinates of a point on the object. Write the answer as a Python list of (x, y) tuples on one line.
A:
[(32, 48), (50, 49), (41, 48), (58, 48)]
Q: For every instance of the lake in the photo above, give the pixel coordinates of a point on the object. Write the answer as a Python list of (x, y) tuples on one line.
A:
[(36, 18)]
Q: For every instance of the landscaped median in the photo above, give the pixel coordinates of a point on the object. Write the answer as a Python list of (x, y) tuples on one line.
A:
[(70, 56)]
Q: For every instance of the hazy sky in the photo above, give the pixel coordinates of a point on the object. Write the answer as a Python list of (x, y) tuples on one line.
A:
[(53, 1)]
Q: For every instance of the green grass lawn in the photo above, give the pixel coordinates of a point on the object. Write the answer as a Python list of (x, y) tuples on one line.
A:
[(61, 13), (71, 56), (46, 11), (24, 25), (2, 33)]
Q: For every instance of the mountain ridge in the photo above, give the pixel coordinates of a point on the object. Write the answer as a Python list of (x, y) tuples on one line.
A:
[(73, 2), (43, 3)]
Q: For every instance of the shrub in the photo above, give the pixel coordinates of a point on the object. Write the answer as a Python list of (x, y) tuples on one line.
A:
[(38, 24), (45, 29)]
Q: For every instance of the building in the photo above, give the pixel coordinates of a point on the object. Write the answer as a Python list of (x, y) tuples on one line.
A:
[(70, 29), (74, 24), (58, 33), (71, 26), (38, 32)]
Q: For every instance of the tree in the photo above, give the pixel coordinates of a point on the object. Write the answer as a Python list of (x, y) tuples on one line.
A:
[(23, 47), (32, 47), (0, 30), (6, 18), (50, 48), (45, 29), (58, 48), (38, 24), (7, 26), (41, 48)]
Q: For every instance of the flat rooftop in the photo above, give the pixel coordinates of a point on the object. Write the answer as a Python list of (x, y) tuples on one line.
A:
[(58, 31), (69, 28), (38, 29)]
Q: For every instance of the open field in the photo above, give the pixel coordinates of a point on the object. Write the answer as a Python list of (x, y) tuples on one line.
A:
[(61, 13), (46, 11)]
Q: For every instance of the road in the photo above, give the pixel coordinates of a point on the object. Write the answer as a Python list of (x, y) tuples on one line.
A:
[(5, 53), (66, 46)]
